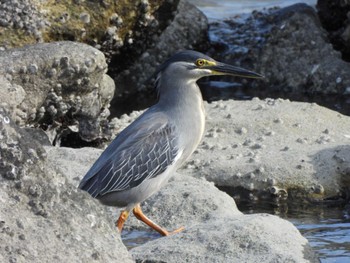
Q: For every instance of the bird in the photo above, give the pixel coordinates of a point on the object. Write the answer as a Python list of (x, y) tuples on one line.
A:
[(143, 156)]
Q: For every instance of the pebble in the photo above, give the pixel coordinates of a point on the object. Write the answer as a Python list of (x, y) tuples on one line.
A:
[(85, 18), (301, 140), (242, 130), (278, 120), (32, 69), (247, 142), (317, 189), (64, 62)]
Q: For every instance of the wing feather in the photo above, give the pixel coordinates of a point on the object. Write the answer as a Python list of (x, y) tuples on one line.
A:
[(142, 151)]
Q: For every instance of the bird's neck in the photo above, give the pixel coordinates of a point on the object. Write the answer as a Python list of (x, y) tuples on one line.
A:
[(179, 94), (183, 104)]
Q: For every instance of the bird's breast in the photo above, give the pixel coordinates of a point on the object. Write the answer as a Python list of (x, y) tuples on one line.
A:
[(191, 129)]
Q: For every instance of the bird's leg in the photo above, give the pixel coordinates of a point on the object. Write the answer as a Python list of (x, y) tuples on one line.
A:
[(121, 220), (141, 216)]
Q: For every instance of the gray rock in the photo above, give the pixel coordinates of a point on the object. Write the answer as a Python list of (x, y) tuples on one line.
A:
[(72, 163), (249, 238), (183, 202), (288, 149), (274, 148), (215, 231), (11, 96), (290, 58), (288, 46), (57, 86), (43, 217)]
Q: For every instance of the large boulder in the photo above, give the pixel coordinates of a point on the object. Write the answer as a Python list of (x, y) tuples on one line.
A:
[(215, 231), (43, 217), (61, 87), (272, 149), (275, 148), (289, 46), (248, 238)]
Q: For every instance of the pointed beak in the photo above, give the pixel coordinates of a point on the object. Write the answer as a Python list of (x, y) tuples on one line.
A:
[(219, 68)]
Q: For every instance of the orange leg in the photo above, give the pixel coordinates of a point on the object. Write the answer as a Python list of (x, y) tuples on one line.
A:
[(140, 216), (121, 220)]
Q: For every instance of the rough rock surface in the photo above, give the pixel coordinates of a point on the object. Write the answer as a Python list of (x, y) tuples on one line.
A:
[(248, 238), (277, 147), (61, 87), (108, 25), (202, 209), (274, 148), (43, 217), (184, 203), (288, 46)]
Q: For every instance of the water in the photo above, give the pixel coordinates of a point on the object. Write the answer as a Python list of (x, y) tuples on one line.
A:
[(327, 228)]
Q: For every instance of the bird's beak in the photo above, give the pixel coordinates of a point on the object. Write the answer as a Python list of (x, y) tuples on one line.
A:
[(219, 68)]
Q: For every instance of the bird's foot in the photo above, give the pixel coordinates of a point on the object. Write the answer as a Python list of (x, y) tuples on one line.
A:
[(167, 233), (141, 216)]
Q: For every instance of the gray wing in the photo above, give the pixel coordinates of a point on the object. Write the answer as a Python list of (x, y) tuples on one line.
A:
[(143, 150)]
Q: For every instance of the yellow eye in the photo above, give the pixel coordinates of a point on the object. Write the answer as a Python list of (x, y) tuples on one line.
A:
[(200, 62)]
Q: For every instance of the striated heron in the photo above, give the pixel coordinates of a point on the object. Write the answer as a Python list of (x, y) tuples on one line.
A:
[(142, 158)]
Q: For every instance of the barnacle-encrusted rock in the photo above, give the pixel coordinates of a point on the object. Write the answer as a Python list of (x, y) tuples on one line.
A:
[(56, 85), (43, 216)]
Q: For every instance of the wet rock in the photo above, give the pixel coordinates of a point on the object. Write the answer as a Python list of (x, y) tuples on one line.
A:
[(66, 85), (285, 45), (43, 217)]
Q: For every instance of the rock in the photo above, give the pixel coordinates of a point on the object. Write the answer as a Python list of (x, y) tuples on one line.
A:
[(272, 149), (32, 21), (43, 217), (203, 210), (183, 202), (11, 95), (289, 150), (285, 45), (183, 195), (61, 87), (72, 163), (177, 35), (115, 28), (335, 18), (248, 238)]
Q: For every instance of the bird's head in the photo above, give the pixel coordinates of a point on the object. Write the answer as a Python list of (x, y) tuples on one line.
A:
[(193, 65)]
